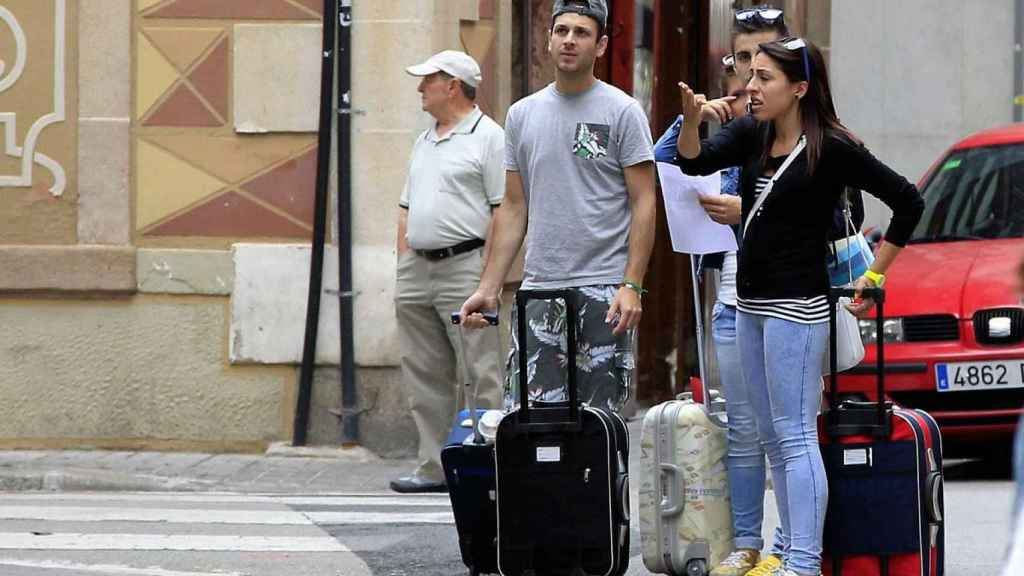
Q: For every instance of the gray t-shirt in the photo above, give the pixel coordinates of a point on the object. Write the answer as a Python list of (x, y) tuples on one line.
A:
[(570, 152)]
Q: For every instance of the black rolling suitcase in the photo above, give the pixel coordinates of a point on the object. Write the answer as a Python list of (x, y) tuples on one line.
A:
[(884, 467), (469, 471), (562, 477)]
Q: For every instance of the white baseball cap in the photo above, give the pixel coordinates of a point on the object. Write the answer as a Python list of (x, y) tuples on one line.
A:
[(452, 62)]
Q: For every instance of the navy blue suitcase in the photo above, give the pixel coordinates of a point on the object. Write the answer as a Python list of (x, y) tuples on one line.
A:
[(468, 462), (462, 427)]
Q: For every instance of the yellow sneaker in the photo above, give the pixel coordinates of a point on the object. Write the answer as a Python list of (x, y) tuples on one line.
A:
[(770, 565), (739, 563)]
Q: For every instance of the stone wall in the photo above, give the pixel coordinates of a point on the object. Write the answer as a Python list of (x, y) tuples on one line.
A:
[(156, 206)]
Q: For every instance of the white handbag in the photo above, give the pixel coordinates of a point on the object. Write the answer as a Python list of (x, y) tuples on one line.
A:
[(849, 346)]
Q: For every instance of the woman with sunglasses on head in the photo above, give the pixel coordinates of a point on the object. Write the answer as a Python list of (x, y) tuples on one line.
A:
[(797, 159), (746, 457), (745, 462)]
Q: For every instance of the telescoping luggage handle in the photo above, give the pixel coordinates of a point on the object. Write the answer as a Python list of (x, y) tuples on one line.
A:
[(492, 318), (857, 418), (549, 418)]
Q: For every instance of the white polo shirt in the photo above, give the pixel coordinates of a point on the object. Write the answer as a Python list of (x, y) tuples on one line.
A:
[(454, 182)]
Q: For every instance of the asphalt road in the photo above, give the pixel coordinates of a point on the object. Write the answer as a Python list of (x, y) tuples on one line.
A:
[(178, 534)]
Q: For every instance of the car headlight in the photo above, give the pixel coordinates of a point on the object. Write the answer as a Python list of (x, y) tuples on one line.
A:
[(892, 331), (868, 332)]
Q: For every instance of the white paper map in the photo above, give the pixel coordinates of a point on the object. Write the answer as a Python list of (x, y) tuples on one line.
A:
[(692, 230)]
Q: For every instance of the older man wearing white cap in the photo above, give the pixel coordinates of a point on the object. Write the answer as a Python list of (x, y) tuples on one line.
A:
[(456, 178)]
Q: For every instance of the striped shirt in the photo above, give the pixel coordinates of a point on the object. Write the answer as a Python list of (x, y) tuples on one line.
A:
[(812, 310), (800, 310)]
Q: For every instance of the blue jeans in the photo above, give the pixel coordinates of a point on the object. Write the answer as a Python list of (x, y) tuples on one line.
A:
[(745, 462), (782, 368)]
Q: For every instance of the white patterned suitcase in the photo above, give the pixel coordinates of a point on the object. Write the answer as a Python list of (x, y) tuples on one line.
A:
[(685, 515)]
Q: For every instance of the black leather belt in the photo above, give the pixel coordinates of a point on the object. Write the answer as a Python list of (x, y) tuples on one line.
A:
[(460, 248)]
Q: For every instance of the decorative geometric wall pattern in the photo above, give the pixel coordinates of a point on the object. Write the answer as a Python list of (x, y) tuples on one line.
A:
[(184, 73), (197, 181), (38, 122), (234, 9)]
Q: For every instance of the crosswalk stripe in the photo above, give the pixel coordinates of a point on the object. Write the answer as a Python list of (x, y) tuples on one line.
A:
[(175, 542), (106, 569), (353, 518), (92, 514), (326, 500), (397, 502), (198, 498), (268, 510)]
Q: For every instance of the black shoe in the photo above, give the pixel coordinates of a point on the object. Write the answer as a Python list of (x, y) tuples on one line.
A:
[(417, 485)]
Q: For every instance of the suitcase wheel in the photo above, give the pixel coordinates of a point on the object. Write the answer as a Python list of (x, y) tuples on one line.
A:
[(696, 568)]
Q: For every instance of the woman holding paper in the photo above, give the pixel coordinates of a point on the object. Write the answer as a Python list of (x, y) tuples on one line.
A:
[(796, 159)]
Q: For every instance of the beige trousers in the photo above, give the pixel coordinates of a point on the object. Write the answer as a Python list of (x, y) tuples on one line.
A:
[(427, 294)]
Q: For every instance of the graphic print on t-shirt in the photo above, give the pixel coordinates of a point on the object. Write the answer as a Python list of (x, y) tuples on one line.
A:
[(591, 140)]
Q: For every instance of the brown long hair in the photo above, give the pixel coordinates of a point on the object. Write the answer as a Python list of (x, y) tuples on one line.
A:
[(817, 111)]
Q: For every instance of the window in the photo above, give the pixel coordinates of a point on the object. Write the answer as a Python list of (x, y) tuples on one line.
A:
[(975, 194)]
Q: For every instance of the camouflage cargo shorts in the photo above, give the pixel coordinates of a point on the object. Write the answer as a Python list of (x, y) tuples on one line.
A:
[(604, 362)]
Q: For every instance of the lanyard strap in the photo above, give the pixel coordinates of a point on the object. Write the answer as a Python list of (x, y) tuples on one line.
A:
[(771, 183)]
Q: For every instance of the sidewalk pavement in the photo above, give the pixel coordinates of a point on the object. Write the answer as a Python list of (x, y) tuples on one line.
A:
[(281, 470)]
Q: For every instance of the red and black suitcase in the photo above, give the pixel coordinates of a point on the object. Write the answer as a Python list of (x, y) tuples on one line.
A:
[(884, 467), (563, 481)]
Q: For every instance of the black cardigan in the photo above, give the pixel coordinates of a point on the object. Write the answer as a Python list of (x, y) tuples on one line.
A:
[(785, 249)]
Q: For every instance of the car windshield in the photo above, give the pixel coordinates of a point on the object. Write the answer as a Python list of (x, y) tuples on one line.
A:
[(975, 194)]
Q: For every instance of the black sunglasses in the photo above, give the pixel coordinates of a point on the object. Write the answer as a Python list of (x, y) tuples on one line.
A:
[(762, 15), (796, 44)]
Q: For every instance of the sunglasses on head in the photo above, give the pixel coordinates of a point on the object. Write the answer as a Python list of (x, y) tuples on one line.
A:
[(797, 44), (762, 15)]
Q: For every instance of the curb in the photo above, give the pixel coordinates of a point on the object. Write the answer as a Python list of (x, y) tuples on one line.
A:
[(70, 480), (356, 454)]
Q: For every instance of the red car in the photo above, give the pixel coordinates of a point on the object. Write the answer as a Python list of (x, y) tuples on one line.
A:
[(954, 326)]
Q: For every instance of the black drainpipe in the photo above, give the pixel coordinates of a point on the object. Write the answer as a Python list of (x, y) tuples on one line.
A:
[(349, 398), (316, 269)]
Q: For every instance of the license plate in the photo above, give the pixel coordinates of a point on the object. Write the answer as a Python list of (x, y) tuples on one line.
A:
[(995, 375)]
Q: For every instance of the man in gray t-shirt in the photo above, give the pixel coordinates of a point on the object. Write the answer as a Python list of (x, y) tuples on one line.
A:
[(580, 189)]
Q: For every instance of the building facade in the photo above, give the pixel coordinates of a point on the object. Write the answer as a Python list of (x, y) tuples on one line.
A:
[(157, 175), (156, 209)]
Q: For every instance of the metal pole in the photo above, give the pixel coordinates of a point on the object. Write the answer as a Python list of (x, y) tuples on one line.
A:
[(349, 395), (698, 315), (316, 268)]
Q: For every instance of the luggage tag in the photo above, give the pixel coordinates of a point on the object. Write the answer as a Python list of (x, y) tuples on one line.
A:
[(549, 454), (857, 457)]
